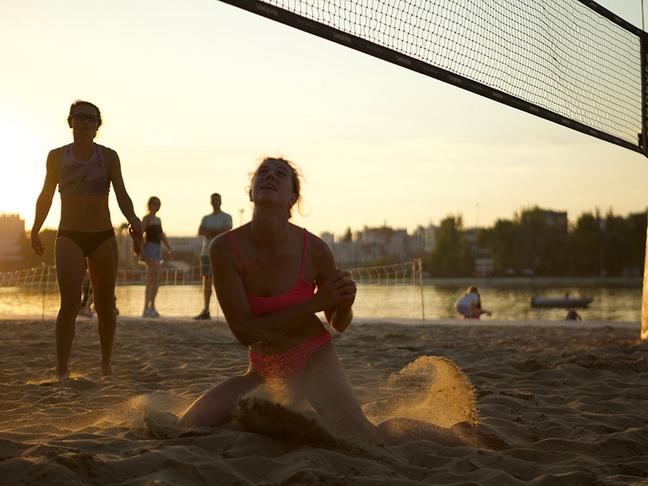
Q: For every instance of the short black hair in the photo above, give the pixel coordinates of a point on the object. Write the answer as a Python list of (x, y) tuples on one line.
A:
[(81, 102)]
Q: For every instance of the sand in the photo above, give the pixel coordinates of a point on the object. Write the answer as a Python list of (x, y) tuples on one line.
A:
[(569, 400)]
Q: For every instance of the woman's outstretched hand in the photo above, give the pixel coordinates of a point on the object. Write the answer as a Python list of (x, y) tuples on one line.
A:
[(338, 289), (135, 231), (36, 244)]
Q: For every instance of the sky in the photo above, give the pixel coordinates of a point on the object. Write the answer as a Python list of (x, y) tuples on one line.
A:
[(194, 92)]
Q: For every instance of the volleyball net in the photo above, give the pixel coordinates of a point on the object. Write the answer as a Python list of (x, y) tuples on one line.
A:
[(392, 291), (569, 61)]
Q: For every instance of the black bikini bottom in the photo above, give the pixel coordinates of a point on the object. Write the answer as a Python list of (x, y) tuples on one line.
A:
[(88, 241)]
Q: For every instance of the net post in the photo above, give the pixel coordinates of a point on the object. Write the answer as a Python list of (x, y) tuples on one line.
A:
[(644, 296), (419, 264), (44, 288), (643, 143), (643, 136)]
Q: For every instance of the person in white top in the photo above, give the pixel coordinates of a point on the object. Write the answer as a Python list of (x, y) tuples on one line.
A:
[(211, 226), (468, 306)]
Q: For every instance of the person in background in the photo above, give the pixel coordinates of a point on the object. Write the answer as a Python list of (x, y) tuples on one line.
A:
[(151, 255), (212, 225), (86, 297), (84, 171), (572, 315), (468, 306)]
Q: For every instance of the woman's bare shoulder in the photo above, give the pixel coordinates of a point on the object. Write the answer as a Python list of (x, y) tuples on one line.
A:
[(317, 244), (149, 220), (319, 253), (107, 150), (54, 156), (57, 152), (109, 155), (222, 245)]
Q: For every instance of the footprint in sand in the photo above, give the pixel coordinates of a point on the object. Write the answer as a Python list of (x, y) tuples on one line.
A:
[(75, 380)]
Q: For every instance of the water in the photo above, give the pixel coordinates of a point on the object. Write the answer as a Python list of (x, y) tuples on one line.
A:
[(507, 301)]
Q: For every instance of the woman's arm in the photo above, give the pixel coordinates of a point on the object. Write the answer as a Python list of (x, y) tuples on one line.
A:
[(123, 199), (232, 298), (213, 233), (210, 233), (340, 315), (163, 238), (44, 201)]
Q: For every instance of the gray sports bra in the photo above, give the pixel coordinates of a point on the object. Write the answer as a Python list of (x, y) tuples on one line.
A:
[(83, 177)]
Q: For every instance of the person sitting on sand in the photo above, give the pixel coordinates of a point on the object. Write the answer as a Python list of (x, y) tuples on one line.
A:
[(84, 171), (271, 278), (468, 306), (572, 315)]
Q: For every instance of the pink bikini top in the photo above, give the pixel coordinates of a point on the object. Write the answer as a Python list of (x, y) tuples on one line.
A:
[(301, 292)]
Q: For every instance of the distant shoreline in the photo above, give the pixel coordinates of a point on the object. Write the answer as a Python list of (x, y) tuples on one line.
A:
[(633, 282)]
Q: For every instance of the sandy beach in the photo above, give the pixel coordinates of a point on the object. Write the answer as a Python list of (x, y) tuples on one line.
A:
[(568, 400)]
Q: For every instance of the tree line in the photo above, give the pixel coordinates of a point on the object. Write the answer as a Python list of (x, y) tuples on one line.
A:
[(531, 243)]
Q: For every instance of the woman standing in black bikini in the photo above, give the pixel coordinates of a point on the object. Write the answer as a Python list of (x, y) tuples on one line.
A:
[(83, 171), (152, 255)]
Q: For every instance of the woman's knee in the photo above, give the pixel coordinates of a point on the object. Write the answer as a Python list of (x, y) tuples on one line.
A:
[(104, 295), (105, 310), (70, 307)]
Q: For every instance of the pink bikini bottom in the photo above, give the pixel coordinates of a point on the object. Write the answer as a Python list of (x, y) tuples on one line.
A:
[(290, 363)]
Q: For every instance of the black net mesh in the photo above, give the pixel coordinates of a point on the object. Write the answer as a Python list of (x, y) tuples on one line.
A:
[(559, 55)]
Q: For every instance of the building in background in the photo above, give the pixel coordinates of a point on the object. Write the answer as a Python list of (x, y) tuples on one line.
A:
[(12, 231), (186, 251), (554, 218), (374, 246), (484, 263), (424, 239)]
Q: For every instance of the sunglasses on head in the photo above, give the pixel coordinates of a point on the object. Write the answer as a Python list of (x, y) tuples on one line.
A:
[(85, 117)]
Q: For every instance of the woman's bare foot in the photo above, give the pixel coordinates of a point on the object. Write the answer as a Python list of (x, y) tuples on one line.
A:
[(62, 374)]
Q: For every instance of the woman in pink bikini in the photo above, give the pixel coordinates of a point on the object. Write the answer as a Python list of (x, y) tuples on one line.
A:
[(265, 274)]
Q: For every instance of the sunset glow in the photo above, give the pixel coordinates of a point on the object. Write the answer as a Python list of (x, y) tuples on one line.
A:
[(193, 95)]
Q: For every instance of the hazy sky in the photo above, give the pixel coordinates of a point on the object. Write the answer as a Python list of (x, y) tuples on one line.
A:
[(192, 92)]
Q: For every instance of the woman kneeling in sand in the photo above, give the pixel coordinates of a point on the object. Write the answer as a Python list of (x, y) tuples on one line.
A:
[(265, 274)]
